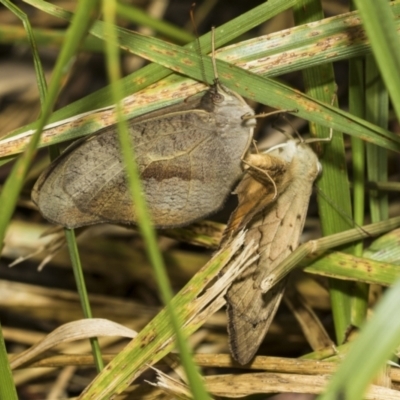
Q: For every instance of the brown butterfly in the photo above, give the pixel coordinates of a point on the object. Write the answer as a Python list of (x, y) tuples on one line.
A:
[(189, 156), (275, 218)]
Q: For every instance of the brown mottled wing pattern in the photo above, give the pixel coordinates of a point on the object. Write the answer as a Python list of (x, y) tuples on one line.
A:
[(277, 230), (256, 190), (188, 161)]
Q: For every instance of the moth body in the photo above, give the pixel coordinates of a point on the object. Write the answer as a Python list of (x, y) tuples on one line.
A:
[(276, 223)]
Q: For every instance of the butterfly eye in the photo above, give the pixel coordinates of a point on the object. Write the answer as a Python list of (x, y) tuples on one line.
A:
[(218, 98)]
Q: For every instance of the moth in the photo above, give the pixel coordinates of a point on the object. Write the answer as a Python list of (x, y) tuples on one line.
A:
[(189, 157), (274, 210)]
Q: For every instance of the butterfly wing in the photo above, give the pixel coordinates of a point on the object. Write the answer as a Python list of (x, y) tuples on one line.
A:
[(187, 173)]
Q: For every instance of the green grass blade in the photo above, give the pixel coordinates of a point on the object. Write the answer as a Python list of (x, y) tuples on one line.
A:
[(360, 270), (252, 86), (40, 78), (83, 295), (152, 73), (144, 220), (379, 23), (155, 340), (11, 34), (377, 107), (140, 17), (381, 335), (7, 387), (374, 346), (379, 265), (320, 84), (359, 304), (271, 96), (14, 182), (316, 247)]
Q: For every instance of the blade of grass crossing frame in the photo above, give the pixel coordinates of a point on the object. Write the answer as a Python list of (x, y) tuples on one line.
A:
[(144, 221), (248, 85), (40, 78), (14, 182), (83, 295), (357, 103), (78, 273), (320, 83), (152, 73), (378, 21), (140, 17), (369, 353), (381, 334), (7, 387), (377, 112), (359, 304)]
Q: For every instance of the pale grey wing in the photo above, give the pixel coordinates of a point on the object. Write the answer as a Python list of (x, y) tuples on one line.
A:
[(189, 174), (249, 310), (186, 172), (53, 203)]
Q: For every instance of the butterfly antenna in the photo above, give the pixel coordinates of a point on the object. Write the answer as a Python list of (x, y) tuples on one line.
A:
[(203, 73), (214, 63)]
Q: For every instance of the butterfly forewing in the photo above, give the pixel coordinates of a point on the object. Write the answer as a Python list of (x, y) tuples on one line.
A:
[(188, 161)]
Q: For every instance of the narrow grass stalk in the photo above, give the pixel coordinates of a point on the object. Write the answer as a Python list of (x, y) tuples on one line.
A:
[(7, 387), (138, 16), (380, 336), (320, 84), (144, 220), (40, 78), (377, 107), (379, 23), (374, 346), (15, 180), (83, 295), (359, 304), (325, 243)]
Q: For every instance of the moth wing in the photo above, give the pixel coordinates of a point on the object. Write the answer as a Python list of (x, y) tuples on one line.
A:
[(250, 312), (264, 181), (277, 231)]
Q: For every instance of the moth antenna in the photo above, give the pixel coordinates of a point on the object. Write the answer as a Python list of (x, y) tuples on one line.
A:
[(329, 138), (313, 140), (343, 213), (266, 174), (265, 115), (203, 72), (297, 133)]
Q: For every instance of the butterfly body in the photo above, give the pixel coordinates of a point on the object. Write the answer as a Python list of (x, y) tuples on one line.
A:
[(189, 157)]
